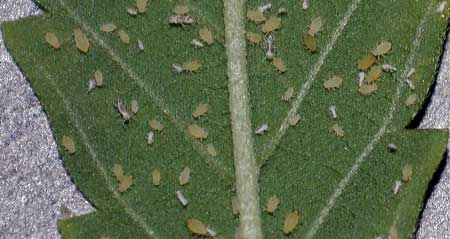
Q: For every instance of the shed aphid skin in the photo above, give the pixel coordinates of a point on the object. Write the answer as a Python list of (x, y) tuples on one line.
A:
[(235, 205), (441, 7), (140, 45), (397, 187), (183, 200), (197, 43), (69, 144), (382, 49), (288, 94), (282, 11), (192, 67), (279, 64), (206, 36), (91, 85), (181, 9), (177, 68), (310, 43), (181, 20), (407, 172), (361, 78), (273, 24), (156, 125), (185, 176), (132, 11), (338, 130), (374, 74), (256, 16), (367, 89), (392, 148), (141, 6), (262, 129), (389, 68), (211, 232), (291, 222), (366, 62), (156, 178), (150, 137), (81, 41), (293, 120), (269, 40), (134, 106), (316, 26), (98, 76), (272, 204), (126, 116), (52, 40), (265, 7), (411, 100), (124, 37), (333, 83), (108, 27), (197, 132), (253, 38), (200, 110), (196, 227), (305, 4), (333, 112)]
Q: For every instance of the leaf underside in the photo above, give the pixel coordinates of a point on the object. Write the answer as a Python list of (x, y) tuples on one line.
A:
[(342, 187)]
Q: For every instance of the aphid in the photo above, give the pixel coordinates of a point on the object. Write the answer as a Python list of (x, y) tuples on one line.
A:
[(262, 129), (206, 36), (392, 148), (141, 5), (123, 110), (211, 150), (124, 37), (197, 132), (389, 68), (440, 9), (125, 183), (156, 125), (397, 186), (382, 49), (305, 4), (140, 45), (185, 176), (374, 74), (293, 120), (410, 84), (407, 172), (51, 39), (200, 110), (91, 85), (132, 11), (272, 204), (366, 62), (177, 68), (333, 112), (150, 137), (183, 200), (117, 171), (288, 94), (338, 130), (69, 144), (393, 233), (108, 27), (310, 43), (274, 23), (265, 7), (181, 10), (279, 64), (411, 73), (197, 43), (181, 20), (282, 11), (211, 232), (193, 66), (134, 106), (81, 41), (367, 89), (361, 78), (156, 178), (255, 16), (333, 83), (316, 26), (290, 222), (253, 38), (269, 46), (98, 76), (411, 100), (235, 205), (197, 227)]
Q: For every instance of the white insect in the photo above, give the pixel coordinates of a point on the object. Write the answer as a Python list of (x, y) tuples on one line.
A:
[(184, 202), (265, 7), (197, 43), (211, 232), (361, 78), (126, 116), (397, 187), (389, 68), (177, 68), (269, 45), (333, 112), (305, 4), (410, 84), (150, 137), (441, 7), (392, 147), (140, 45), (262, 129), (132, 11), (91, 85), (411, 72), (282, 11)]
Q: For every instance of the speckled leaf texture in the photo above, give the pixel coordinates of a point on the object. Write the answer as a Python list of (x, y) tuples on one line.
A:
[(342, 187)]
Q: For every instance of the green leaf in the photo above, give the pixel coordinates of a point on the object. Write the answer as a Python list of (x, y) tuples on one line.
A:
[(342, 187)]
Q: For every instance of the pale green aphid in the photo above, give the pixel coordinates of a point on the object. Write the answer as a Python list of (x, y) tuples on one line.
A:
[(407, 172)]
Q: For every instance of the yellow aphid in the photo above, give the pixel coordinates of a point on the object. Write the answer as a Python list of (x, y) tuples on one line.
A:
[(108, 27), (141, 5), (181, 9), (197, 132), (316, 26), (288, 94), (274, 23), (253, 38), (293, 120), (367, 89), (52, 40), (156, 178), (156, 125), (185, 176), (125, 183), (98, 75), (365, 63), (338, 130), (117, 171), (68, 144), (81, 41), (134, 106), (124, 37), (374, 74), (272, 204), (333, 83), (411, 100), (206, 36), (197, 227), (200, 110), (235, 205), (193, 66), (279, 64), (310, 43), (383, 48), (256, 16), (290, 222), (211, 150), (407, 172)]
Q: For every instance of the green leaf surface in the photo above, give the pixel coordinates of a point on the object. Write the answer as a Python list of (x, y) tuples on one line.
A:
[(342, 187)]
